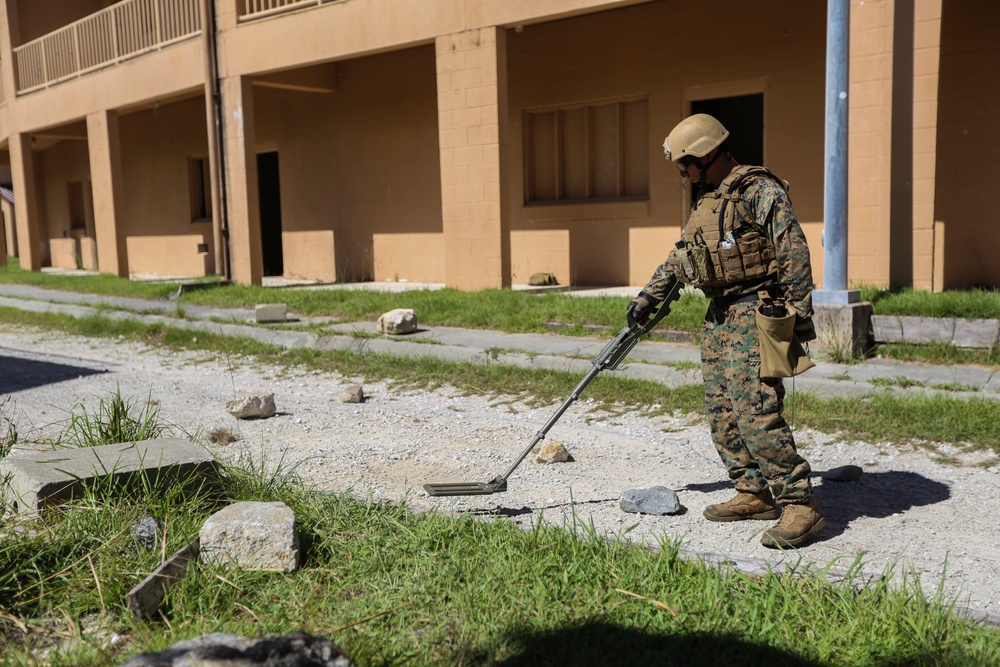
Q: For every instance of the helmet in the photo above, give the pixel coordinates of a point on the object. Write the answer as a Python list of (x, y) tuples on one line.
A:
[(696, 135)]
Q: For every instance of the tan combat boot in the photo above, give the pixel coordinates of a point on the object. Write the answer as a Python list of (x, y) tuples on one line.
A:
[(797, 524), (744, 506)]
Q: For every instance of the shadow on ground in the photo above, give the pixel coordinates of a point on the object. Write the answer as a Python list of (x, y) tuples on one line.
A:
[(20, 374), (603, 644)]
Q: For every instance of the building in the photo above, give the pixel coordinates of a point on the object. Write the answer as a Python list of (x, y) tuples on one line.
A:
[(476, 142)]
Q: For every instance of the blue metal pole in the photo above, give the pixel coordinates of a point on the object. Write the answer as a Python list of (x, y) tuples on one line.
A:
[(838, 27)]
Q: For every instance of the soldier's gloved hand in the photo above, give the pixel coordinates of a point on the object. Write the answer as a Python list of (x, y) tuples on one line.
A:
[(804, 329), (638, 311)]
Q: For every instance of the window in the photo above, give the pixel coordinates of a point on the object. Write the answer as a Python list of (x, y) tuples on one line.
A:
[(596, 152), (200, 188)]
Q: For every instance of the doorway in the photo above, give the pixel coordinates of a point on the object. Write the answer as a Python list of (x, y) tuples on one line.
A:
[(743, 116), (269, 193)]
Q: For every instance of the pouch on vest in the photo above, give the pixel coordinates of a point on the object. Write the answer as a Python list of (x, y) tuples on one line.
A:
[(781, 353)]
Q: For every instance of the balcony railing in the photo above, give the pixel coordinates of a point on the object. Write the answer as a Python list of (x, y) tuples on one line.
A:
[(121, 31), (254, 9)]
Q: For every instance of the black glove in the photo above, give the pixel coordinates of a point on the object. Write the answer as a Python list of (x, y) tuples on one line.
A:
[(638, 310), (804, 329)]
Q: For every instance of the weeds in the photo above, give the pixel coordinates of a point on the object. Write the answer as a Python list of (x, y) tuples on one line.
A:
[(117, 419)]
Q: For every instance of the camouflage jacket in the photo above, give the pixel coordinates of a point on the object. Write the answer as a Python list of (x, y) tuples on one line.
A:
[(766, 203)]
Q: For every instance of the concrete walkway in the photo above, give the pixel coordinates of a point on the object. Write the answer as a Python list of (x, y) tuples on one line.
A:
[(672, 364)]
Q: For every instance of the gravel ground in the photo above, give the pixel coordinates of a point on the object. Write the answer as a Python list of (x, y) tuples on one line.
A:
[(908, 511)]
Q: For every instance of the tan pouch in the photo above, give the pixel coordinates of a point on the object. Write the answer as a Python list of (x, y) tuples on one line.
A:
[(781, 353)]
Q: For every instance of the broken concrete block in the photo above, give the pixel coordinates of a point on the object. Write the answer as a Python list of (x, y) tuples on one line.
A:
[(398, 321), (270, 312), (247, 405), (353, 394), (253, 536), (553, 452), (144, 600), (42, 479), (658, 500)]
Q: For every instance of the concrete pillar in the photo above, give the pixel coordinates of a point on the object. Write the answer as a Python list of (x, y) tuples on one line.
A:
[(29, 215), (8, 37), (108, 191), (472, 126), (242, 199)]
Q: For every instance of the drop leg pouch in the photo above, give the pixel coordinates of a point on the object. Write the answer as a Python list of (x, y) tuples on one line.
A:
[(781, 353)]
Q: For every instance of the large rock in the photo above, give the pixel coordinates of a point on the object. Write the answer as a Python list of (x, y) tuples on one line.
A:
[(296, 649), (553, 452), (658, 500), (253, 536), (248, 405), (398, 321)]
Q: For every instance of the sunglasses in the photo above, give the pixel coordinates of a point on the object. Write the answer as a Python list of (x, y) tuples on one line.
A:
[(686, 162)]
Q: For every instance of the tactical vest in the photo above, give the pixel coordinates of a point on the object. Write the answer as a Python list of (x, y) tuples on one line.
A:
[(711, 252)]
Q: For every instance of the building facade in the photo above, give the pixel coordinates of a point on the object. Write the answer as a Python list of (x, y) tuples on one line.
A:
[(476, 142)]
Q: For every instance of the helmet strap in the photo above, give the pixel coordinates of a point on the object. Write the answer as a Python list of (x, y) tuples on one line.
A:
[(703, 169)]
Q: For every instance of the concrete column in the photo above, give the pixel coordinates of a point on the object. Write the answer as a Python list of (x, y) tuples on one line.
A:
[(242, 199), (29, 216), (108, 191), (8, 37), (472, 126)]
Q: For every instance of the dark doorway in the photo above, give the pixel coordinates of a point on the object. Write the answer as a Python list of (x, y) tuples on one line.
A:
[(269, 188), (743, 116)]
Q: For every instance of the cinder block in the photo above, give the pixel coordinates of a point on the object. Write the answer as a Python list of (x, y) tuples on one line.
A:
[(39, 480), (976, 333), (270, 312)]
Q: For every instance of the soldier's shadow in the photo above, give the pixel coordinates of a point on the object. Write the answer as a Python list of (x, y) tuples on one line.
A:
[(877, 495)]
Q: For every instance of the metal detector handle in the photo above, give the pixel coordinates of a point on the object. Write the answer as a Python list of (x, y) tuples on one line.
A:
[(627, 338), (608, 359)]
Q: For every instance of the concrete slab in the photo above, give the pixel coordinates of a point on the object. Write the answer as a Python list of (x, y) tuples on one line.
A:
[(40, 480), (923, 330), (976, 333)]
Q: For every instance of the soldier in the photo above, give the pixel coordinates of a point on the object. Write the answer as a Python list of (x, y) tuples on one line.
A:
[(742, 244)]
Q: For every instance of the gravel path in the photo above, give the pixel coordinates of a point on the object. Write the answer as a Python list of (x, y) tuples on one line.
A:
[(907, 511)]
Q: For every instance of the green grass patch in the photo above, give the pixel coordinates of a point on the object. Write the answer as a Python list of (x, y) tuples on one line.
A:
[(970, 303), (392, 587)]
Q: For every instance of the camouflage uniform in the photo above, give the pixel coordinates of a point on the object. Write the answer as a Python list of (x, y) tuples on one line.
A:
[(744, 410)]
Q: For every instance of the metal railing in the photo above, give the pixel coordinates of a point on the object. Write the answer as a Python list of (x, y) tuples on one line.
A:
[(254, 9), (121, 31)]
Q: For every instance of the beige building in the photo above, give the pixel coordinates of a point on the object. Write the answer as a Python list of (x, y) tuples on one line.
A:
[(476, 142)]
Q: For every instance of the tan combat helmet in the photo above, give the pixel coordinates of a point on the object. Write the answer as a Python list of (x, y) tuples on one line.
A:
[(696, 136)]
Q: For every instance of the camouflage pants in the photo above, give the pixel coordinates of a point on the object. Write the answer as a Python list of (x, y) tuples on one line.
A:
[(744, 410)]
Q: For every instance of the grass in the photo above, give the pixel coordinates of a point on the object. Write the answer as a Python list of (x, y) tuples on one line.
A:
[(392, 587)]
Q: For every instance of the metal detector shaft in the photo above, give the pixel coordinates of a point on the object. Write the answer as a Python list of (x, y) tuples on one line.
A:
[(608, 359)]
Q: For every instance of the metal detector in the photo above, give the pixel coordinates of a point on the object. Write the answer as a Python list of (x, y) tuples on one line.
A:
[(608, 359)]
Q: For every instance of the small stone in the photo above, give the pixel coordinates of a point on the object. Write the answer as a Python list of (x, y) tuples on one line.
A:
[(553, 452), (146, 530), (848, 473), (658, 500), (353, 394)]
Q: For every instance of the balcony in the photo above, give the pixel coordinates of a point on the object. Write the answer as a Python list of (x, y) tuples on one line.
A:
[(255, 9), (124, 30)]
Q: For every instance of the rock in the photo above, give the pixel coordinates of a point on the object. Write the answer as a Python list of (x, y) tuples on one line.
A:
[(296, 649), (251, 406), (542, 279), (353, 394), (658, 500), (398, 321), (848, 473), (553, 452), (146, 530), (253, 536)]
